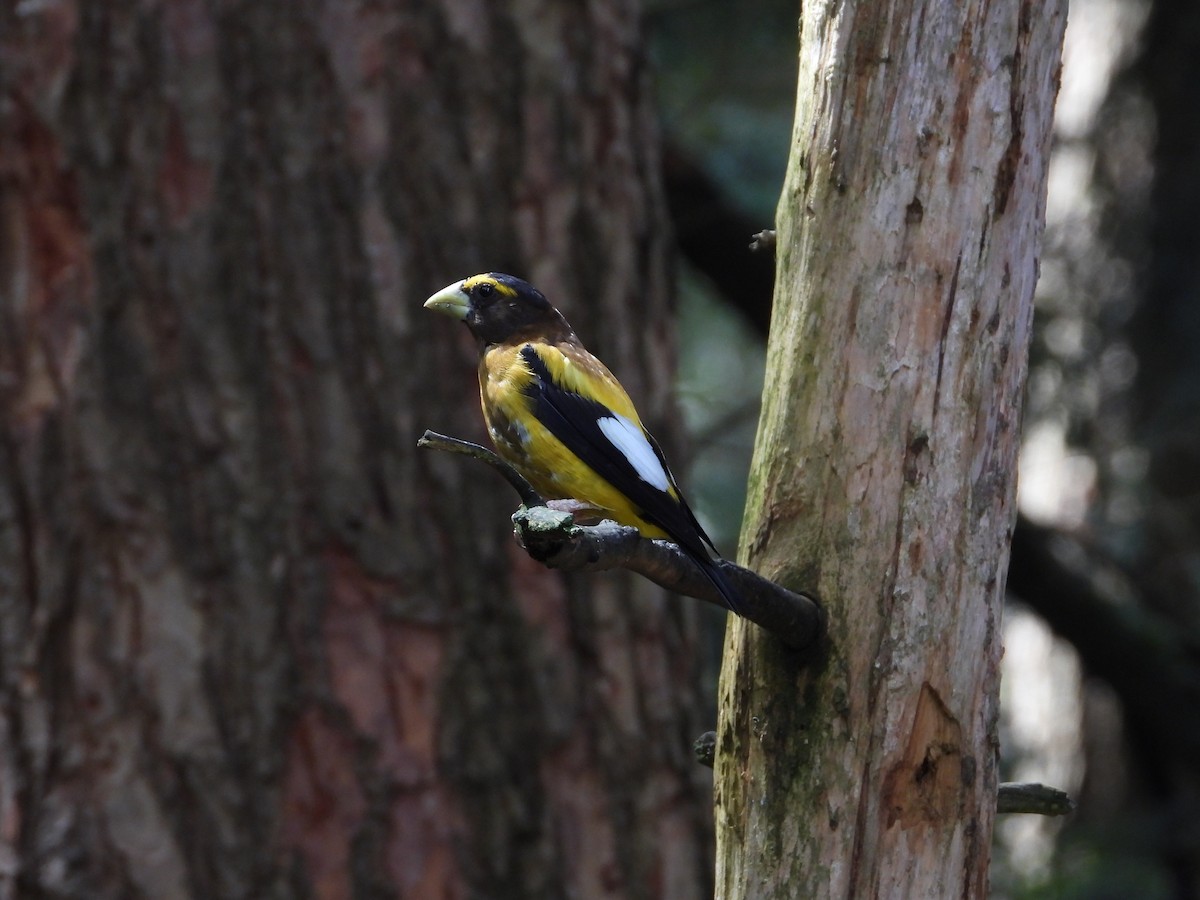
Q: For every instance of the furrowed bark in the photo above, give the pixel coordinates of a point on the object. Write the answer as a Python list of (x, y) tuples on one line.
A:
[(252, 642)]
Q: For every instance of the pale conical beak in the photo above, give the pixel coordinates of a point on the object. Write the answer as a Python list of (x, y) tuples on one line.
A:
[(451, 300)]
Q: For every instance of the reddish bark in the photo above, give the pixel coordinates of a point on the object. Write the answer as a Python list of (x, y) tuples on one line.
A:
[(254, 644)]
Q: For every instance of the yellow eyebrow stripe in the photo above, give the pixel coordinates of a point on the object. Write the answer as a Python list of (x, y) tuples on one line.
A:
[(476, 280)]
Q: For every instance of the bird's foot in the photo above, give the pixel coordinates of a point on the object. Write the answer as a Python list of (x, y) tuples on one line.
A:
[(582, 513)]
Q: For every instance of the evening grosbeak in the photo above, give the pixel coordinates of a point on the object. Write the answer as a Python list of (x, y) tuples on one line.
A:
[(564, 422)]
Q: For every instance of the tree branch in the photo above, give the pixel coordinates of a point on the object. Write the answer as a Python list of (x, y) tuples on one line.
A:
[(1036, 799), (551, 537), (431, 440)]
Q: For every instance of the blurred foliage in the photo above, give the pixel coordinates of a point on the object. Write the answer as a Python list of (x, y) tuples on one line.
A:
[(1082, 364), (727, 89), (720, 382), (726, 79), (1113, 862), (1114, 369)]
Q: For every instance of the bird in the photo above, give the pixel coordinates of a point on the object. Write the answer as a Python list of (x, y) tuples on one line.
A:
[(560, 417)]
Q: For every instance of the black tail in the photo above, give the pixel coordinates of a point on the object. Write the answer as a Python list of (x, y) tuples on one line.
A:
[(713, 573)]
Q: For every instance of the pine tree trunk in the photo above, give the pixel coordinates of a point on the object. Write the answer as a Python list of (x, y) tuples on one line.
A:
[(884, 471), (255, 644)]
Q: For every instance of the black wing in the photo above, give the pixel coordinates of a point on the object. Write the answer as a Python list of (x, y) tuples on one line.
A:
[(574, 420)]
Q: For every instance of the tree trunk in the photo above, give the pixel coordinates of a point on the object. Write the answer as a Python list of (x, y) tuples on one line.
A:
[(254, 644), (884, 471)]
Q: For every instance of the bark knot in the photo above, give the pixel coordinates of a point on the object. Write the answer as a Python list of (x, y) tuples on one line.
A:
[(927, 784)]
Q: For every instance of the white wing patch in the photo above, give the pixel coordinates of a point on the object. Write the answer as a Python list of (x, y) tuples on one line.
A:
[(625, 435)]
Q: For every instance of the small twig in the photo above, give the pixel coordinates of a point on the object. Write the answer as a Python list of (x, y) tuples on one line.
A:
[(705, 749), (434, 441), (1038, 799), (552, 537), (763, 240)]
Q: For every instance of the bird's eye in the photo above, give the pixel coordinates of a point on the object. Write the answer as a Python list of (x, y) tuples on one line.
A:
[(486, 290)]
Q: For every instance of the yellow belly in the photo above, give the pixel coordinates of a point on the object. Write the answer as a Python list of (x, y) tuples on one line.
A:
[(546, 463), (558, 474)]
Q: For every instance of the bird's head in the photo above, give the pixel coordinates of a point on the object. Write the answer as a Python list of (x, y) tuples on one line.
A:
[(498, 308)]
